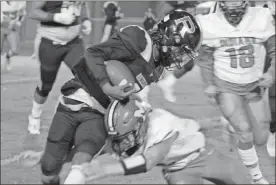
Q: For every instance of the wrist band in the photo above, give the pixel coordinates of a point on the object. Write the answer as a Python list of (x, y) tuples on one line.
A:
[(134, 165)]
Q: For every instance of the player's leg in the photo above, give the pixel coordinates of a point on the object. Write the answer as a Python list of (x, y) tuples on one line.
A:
[(50, 57), (36, 46), (222, 169), (234, 109), (75, 50), (90, 139), (260, 117), (12, 39), (59, 141), (3, 37)]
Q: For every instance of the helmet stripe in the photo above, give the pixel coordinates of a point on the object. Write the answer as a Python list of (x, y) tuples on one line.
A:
[(111, 115)]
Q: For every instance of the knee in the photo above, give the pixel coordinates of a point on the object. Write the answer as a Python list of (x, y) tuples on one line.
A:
[(50, 167), (245, 136), (53, 180)]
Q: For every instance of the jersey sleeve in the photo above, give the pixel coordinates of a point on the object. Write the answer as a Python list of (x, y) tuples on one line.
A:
[(270, 24), (158, 128)]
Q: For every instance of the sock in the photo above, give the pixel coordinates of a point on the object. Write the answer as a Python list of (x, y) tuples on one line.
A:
[(37, 109), (75, 176), (251, 161)]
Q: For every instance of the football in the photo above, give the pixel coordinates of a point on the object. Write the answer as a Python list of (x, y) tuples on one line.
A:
[(119, 73)]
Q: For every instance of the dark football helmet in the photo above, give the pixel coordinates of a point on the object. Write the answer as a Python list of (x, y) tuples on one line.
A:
[(233, 10), (125, 125), (178, 37)]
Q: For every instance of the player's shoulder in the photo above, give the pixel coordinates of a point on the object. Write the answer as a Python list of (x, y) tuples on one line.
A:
[(263, 17), (134, 31), (136, 37)]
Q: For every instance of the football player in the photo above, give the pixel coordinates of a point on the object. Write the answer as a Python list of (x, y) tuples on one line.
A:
[(79, 118), (143, 139), (59, 37), (12, 15), (237, 40), (112, 13)]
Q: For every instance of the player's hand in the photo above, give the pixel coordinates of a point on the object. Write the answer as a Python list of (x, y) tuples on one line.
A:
[(64, 18), (211, 93), (93, 170), (266, 80), (86, 27), (118, 92)]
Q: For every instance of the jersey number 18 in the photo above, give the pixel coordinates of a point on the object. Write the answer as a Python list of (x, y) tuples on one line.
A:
[(244, 56)]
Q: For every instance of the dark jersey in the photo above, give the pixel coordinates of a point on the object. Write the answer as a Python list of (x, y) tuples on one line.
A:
[(62, 6), (131, 45)]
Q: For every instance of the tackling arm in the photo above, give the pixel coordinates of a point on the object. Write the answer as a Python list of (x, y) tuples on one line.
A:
[(132, 165)]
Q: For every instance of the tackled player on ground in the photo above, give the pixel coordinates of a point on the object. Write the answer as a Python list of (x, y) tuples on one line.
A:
[(143, 139)]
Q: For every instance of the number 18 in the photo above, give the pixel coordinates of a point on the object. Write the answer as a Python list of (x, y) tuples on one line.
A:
[(246, 59)]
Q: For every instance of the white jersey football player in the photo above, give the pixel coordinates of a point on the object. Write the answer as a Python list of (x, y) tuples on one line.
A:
[(12, 15), (143, 139), (237, 40)]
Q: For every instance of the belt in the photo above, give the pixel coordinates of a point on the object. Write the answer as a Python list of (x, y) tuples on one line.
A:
[(59, 43)]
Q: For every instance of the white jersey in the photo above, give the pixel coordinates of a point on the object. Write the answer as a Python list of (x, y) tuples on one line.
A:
[(240, 53), (162, 125), (11, 10)]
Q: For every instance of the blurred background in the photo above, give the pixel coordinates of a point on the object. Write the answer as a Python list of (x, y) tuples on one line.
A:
[(134, 12)]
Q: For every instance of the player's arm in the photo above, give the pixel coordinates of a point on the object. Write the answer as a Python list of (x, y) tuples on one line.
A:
[(132, 165), (113, 49), (107, 32), (38, 14), (270, 49), (205, 61), (21, 13)]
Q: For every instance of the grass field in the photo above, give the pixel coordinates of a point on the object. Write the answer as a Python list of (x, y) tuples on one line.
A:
[(17, 89)]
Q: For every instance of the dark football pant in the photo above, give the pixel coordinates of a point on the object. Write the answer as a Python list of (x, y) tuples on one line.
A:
[(215, 167), (83, 129), (51, 55)]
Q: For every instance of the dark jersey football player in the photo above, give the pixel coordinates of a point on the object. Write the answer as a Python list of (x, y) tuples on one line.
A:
[(112, 13), (149, 20), (79, 118), (59, 30)]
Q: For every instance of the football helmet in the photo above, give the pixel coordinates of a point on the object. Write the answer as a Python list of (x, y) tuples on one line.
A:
[(233, 10), (125, 125), (178, 37), (111, 8)]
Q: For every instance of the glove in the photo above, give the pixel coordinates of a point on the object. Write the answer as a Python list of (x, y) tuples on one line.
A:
[(64, 18)]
